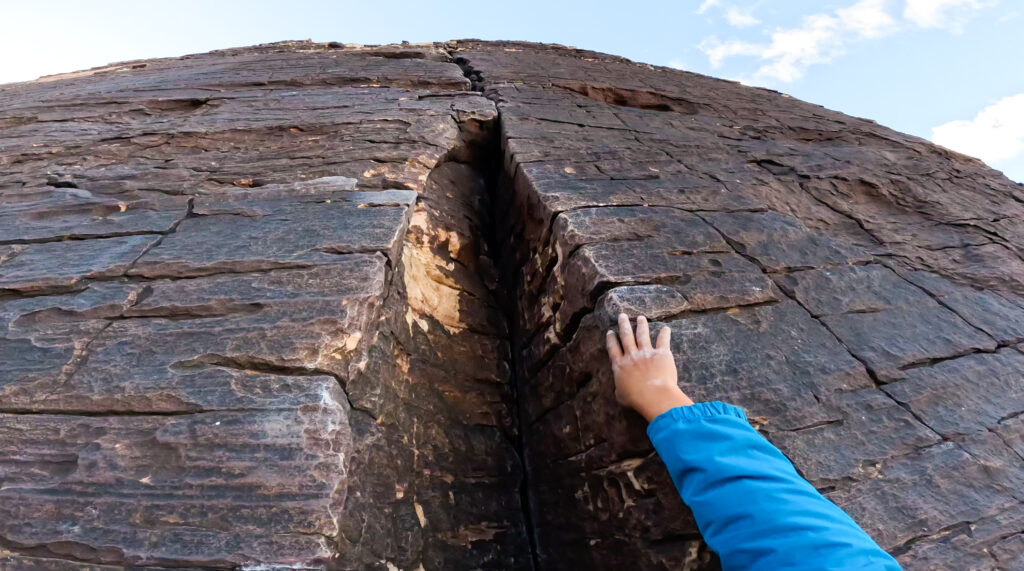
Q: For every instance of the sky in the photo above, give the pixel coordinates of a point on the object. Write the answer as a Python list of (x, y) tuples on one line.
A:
[(951, 71)]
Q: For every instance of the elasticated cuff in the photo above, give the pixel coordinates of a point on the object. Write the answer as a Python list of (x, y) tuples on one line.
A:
[(693, 412)]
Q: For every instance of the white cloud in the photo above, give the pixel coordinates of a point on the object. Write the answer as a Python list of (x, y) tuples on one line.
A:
[(718, 51), (947, 14), (739, 18), (867, 19), (819, 39), (995, 134), (707, 5), (736, 17), (677, 64)]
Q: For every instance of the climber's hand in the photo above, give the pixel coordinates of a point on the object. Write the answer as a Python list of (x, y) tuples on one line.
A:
[(645, 376)]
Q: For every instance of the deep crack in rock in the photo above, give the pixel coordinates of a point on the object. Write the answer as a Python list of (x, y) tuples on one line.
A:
[(325, 306)]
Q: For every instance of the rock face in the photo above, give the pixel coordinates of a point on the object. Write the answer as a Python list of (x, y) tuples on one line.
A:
[(320, 306)]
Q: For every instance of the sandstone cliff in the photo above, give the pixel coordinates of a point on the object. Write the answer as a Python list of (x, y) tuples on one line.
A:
[(308, 306)]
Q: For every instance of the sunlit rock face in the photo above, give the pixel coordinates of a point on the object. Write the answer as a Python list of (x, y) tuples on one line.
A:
[(324, 306)]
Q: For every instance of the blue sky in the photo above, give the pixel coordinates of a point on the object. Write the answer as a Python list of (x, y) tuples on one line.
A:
[(947, 70)]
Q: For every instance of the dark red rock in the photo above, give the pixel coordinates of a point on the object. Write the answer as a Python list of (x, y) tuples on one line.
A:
[(971, 394), (885, 321), (901, 503), (58, 213), (292, 235), (1000, 314), (209, 489), (56, 266), (324, 306), (824, 205), (872, 429), (261, 378), (779, 242)]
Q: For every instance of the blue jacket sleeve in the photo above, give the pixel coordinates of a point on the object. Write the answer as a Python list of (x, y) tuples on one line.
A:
[(751, 506)]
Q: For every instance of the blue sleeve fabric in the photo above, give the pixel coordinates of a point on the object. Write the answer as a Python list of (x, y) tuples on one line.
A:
[(751, 506)]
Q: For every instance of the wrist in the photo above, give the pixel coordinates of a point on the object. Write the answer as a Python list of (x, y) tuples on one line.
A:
[(659, 402)]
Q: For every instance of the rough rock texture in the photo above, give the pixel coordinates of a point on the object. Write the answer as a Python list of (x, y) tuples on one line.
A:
[(857, 290), (236, 289), (323, 306)]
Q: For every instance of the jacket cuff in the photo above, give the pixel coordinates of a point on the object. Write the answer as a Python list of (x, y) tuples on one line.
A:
[(694, 412)]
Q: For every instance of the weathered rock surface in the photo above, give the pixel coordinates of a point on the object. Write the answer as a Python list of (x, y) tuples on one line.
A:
[(848, 257), (323, 306), (222, 346)]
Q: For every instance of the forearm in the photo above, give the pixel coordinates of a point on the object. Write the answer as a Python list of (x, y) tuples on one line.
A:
[(750, 504)]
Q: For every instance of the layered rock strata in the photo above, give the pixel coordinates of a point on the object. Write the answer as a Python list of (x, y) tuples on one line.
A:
[(858, 291), (318, 306), (243, 323)]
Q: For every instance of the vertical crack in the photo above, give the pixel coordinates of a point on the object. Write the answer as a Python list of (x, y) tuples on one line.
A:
[(507, 300), (498, 181)]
